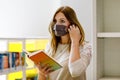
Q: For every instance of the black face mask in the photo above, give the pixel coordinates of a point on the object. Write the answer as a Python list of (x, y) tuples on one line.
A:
[(60, 30)]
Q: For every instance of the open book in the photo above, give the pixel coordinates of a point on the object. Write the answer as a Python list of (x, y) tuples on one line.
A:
[(42, 57)]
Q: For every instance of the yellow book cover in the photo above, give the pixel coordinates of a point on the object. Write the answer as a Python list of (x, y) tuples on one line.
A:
[(43, 58), (15, 46), (30, 45), (35, 44), (41, 44)]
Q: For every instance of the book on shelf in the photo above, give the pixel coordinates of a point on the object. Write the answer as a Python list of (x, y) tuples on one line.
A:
[(18, 79), (32, 78), (4, 61), (41, 57), (22, 58), (15, 59), (15, 46), (10, 60)]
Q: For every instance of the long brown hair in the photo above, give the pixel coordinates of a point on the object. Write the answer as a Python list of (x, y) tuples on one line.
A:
[(70, 14)]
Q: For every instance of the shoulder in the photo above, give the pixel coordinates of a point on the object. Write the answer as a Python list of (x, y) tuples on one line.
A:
[(86, 48), (86, 44)]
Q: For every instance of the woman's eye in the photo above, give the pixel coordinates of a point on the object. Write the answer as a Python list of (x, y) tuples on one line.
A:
[(54, 21), (62, 21)]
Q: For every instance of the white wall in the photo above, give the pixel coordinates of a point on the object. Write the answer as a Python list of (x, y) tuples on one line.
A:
[(26, 18)]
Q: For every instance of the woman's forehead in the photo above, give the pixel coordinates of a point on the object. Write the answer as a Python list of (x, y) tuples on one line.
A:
[(60, 15)]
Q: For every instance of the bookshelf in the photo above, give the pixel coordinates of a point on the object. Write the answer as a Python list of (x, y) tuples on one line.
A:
[(107, 39), (9, 65), (15, 45)]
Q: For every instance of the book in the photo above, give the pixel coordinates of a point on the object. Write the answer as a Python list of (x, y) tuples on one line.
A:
[(15, 59), (1, 61), (15, 46), (43, 58), (35, 44), (4, 60), (22, 58), (32, 78)]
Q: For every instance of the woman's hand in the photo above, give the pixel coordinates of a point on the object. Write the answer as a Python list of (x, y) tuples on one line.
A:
[(43, 70), (74, 33)]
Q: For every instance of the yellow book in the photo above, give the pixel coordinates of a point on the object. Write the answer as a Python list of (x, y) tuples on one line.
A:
[(14, 75), (15, 46), (19, 74), (41, 44), (30, 45), (35, 44), (31, 72)]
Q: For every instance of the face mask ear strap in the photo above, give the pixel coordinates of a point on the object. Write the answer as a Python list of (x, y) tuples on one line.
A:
[(54, 28)]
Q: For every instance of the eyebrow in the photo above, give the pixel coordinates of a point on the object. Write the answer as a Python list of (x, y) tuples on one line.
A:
[(60, 18)]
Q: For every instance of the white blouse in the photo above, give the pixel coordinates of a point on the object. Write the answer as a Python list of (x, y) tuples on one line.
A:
[(75, 70)]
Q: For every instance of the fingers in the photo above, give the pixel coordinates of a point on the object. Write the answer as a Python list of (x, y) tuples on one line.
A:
[(44, 68), (72, 28), (74, 33), (48, 69)]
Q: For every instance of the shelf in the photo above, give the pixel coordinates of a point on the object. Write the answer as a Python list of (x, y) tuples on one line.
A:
[(23, 37), (109, 34), (11, 70), (110, 78)]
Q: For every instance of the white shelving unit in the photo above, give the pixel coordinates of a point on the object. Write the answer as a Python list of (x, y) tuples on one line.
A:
[(19, 68), (108, 39)]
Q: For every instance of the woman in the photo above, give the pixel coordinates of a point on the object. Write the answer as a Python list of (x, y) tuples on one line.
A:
[(67, 46)]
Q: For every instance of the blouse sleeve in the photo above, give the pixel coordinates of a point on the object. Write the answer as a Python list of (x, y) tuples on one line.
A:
[(79, 66)]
